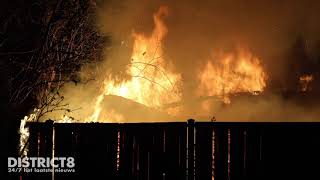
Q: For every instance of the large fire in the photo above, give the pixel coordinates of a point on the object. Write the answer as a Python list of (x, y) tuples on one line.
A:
[(152, 82), (230, 73)]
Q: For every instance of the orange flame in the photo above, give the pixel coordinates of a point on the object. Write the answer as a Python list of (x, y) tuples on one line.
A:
[(305, 81), (230, 74), (152, 82)]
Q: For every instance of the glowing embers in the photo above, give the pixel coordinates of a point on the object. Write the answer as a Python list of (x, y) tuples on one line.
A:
[(305, 82), (231, 73)]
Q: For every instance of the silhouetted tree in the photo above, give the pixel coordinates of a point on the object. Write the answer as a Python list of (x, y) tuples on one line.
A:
[(45, 43)]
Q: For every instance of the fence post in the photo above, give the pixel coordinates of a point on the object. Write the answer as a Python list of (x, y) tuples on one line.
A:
[(191, 150)]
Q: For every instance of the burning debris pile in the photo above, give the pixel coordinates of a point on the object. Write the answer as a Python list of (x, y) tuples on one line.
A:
[(151, 82)]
